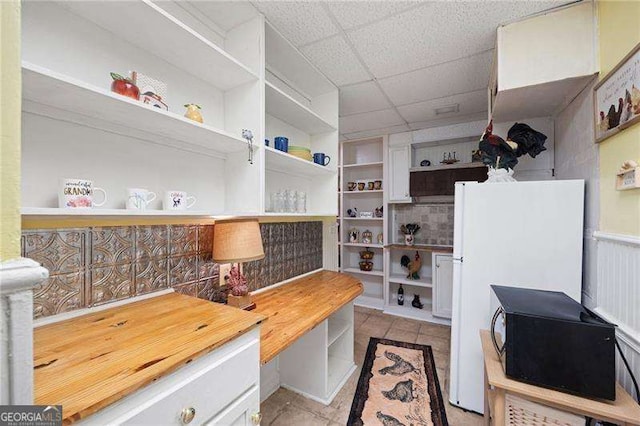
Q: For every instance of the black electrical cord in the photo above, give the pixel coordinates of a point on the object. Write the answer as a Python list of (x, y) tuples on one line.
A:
[(626, 364)]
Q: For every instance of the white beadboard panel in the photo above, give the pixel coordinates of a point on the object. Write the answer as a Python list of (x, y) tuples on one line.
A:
[(330, 244), (618, 296), (466, 103), (446, 79), (362, 97), (619, 278), (351, 14), (299, 22), (335, 59)]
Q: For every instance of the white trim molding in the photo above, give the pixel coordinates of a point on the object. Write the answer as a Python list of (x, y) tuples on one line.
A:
[(17, 279), (617, 238)]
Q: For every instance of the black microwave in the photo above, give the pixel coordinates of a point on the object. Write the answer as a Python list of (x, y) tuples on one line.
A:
[(550, 340)]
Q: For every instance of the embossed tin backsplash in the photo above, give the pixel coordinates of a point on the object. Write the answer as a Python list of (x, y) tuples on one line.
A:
[(97, 265)]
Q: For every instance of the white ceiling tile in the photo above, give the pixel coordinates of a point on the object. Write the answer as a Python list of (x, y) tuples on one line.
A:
[(479, 116), (464, 75), (370, 121), (299, 21), (362, 97), (336, 60), (468, 103), (226, 14), (435, 33), (378, 132), (352, 14)]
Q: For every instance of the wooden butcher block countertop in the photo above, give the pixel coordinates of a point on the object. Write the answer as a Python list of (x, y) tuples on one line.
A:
[(297, 307), (88, 362)]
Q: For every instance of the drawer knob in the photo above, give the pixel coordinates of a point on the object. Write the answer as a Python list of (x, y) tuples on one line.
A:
[(187, 415), (256, 418)]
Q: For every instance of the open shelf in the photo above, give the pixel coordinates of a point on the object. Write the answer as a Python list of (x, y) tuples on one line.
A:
[(424, 282), (280, 161), (363, 165), (338, 369), (172, 40), (447, 166), (38, 211), (364, 218), (54, 95), (289, 110), (370, 302), (373, 191), (408, 311), (358, 271), (307, 214), (336, 329), (288, 64), (375, 246)]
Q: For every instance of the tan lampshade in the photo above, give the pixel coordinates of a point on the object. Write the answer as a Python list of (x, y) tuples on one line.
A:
[(237, 240)]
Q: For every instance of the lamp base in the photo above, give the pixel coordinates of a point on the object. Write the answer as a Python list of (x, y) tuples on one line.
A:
[(241, 302)]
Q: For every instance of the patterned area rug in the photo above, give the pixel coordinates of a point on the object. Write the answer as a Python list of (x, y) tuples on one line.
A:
[(398, 386)]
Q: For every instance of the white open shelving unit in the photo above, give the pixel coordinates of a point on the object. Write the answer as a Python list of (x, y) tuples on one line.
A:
[(245, 77), (363, 161)]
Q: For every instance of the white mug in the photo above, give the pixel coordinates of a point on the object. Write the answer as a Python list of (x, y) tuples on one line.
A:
[(139, 198), (177, 200), (78, 193)]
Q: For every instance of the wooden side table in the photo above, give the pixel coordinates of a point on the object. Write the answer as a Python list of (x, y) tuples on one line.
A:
[(624, 410)]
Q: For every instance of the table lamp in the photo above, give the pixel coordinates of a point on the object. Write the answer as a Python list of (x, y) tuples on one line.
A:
[(236, 241)]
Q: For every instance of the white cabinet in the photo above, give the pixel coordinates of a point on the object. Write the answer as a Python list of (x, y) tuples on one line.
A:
[(442, 285), (399, 163), (222, 387), (546, 60)]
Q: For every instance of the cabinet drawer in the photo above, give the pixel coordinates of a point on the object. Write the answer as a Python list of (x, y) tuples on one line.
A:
[(243, 412), (208, 392), (207, 385)]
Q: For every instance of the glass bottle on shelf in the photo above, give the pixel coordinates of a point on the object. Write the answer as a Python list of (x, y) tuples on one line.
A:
[(400, 295)]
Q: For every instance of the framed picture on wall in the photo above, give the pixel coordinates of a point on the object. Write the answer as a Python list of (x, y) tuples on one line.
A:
[(617, 97)]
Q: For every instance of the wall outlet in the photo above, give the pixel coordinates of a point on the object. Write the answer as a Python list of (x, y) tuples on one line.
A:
[(224, 273)]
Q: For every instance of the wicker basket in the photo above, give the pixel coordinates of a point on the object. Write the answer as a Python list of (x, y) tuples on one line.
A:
[(520, 412)]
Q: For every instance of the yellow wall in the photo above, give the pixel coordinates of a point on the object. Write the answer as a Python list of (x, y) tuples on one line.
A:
[(10, 107), (619, 23)]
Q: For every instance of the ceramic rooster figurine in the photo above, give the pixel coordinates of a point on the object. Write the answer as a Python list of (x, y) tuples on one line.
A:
[(521, 140), (237, 282), (413, 266)]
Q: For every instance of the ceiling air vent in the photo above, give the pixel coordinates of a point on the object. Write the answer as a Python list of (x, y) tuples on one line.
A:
[(447, 109)]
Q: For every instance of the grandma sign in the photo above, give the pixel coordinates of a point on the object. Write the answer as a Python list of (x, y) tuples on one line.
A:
[(617, 97), (30, 415)]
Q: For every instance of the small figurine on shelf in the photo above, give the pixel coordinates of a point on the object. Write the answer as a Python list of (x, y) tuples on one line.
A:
[(380, 238), (413, 266), (367, 237), (416, 303), (193, 113), (124, 86), (409, 230), (352, 212), (353, 235), (400, 296), (378, 212), (152, 91)]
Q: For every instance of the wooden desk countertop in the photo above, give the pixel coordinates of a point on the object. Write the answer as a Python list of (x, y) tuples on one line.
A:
[(297, 307), (88, 362), (623, 409)]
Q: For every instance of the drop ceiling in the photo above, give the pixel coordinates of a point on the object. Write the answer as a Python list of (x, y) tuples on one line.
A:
[(397, 62)]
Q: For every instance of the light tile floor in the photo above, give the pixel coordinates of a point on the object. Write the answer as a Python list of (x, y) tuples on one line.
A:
[(288, 408)]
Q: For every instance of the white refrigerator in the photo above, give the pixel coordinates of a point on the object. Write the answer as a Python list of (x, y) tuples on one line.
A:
[(522, 234)]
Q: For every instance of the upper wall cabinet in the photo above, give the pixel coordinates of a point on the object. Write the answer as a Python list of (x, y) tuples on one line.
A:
[(543, 62)]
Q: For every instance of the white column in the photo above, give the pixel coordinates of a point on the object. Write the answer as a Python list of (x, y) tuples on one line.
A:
[(17, 279)]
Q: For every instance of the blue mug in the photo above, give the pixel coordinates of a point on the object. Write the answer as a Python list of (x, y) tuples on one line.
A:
[(266, 142), (281, 143), (320, 158)]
